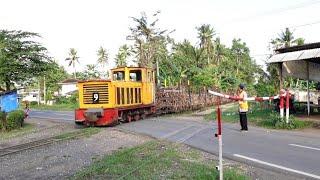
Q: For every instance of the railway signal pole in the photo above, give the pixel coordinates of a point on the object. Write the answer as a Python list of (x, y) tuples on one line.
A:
[(219, 135)]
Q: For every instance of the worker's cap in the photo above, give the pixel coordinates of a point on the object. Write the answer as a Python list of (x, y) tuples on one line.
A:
[(241, 86)]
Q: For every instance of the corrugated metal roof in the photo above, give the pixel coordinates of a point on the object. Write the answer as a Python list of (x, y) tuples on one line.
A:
[(296, 55), (310, 53), (276, 58)]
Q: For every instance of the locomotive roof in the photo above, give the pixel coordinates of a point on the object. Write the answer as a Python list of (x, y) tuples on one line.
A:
[(94, 80), (121, 68)]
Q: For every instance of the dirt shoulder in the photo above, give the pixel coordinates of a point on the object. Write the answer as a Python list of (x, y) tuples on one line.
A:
[(35, 129), (61, 160)]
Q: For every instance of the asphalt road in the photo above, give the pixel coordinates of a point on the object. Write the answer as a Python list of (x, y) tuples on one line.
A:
[(291, 152), (67, 116)]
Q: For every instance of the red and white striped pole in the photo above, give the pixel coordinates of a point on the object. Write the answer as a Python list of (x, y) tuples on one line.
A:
[(219, 135), (281, 106), (287, 106)]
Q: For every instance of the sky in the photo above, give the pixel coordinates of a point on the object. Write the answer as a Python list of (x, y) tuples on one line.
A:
[(88, 24)]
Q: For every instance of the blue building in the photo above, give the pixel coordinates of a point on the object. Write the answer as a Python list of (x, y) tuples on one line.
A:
[(9, 101)]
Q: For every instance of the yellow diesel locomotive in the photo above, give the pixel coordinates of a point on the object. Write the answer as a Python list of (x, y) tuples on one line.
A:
[(129, 95)]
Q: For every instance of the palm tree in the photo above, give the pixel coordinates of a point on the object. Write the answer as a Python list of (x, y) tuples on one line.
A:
[(91, 71), (148, 39), (239, 50), (103, 56), (122, 56), (205, 34), (286, 39), (219, 53), (73, 59)]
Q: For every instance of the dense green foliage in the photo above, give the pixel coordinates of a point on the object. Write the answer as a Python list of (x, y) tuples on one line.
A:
[(73, 99), (261, 114), (225, 71), (277, 122), (2, 120), (54, 75), (208, 64), (21, 58), (14, 119)]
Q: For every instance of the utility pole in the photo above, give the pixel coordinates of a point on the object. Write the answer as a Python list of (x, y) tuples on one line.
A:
[(158, 74), (39, 96), (44, 90)]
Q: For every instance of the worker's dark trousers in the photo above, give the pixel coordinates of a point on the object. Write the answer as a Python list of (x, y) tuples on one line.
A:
[(243, 120)]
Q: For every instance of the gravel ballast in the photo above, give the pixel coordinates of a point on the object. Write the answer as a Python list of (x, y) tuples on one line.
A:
[(61, 160)]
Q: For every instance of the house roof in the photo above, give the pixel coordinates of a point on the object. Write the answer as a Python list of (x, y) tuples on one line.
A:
[(294, 61), (298, 48), (308, 54), (8, 92), (69, 81)]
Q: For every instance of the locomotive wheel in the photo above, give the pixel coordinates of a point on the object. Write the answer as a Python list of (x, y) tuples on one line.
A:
[(136, 117), (124, 117), (129, 118), (79, 125)]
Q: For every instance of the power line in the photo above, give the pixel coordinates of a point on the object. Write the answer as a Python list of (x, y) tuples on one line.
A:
[(279, 10), (302, 25)]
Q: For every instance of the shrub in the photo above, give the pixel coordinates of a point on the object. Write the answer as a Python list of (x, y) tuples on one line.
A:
[(61, 100), (280, 123), (33, 103), (73, 99), (15, 119), (2, 119)]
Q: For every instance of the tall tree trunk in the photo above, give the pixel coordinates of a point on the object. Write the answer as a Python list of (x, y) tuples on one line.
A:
[(75, 72), (8, 85), (237, 64)]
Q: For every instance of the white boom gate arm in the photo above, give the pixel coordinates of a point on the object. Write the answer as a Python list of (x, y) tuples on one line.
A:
[(235, 98), (283, 95)]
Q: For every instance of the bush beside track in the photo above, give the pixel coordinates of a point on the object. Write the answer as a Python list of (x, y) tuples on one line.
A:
[(12, 120)]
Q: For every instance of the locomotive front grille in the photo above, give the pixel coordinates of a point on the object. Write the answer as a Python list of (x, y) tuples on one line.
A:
[(95, 94)]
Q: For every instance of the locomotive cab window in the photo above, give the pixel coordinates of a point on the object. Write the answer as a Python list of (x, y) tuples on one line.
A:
[(135, 75), (118, 76)]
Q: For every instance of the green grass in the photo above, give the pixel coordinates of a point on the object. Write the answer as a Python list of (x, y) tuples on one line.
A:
[(155, 160), (25, 129), (258, 116), (86, 131), (56, 107)]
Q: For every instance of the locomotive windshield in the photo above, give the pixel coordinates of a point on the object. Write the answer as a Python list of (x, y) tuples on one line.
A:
[(135, 75), (118, 75)]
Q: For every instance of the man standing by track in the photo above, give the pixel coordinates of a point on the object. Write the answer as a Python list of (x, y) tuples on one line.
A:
[(243, 108)]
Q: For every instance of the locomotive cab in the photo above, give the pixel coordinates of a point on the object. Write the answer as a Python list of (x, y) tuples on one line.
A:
[(129, 95)]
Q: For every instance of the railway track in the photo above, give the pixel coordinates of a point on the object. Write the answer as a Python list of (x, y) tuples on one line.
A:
[(42, 142)]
